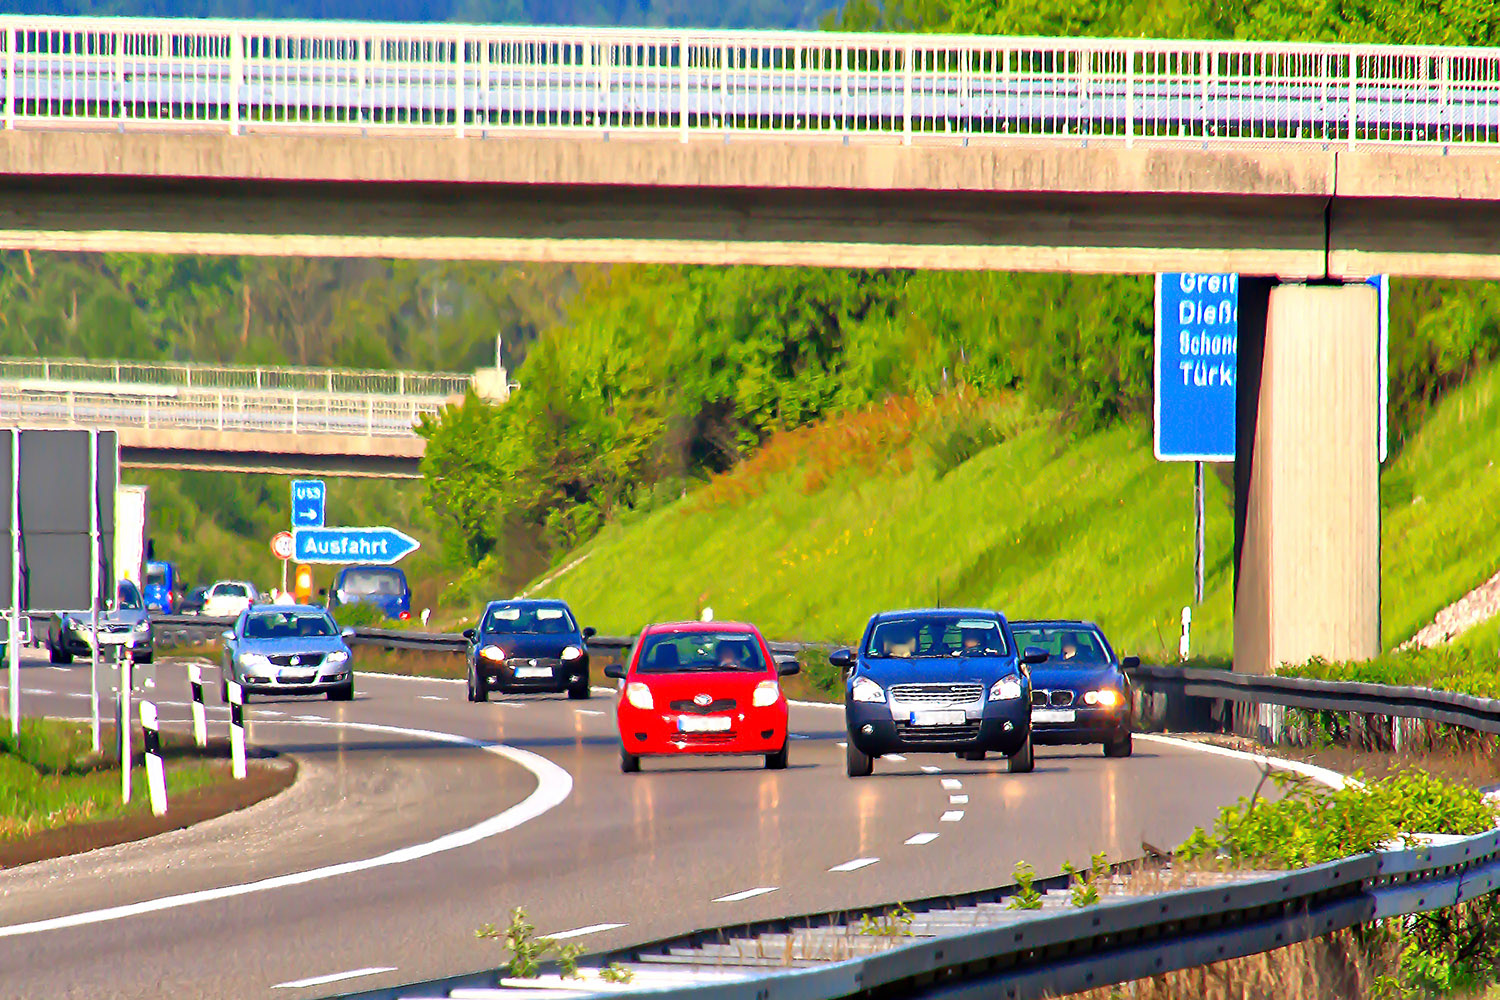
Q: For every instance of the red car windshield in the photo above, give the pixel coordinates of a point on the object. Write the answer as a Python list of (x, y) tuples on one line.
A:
[(684, 652)]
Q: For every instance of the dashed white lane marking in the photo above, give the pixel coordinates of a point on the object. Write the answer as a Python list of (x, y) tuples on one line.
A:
[(735, 897), (929, 769), (895, 757), (333, 977), (272, 712), (952, 784), (63, 669), (958, 800), (510, 704), (843, 744), (35, 691), (431, 697), (582, 931), (952, 816), (554, 785), (855, 865), (586, 711), (922, 838), (310, 718)]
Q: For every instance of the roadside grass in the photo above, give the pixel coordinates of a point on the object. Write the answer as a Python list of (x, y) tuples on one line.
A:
[(50, 777), (1468, 664)]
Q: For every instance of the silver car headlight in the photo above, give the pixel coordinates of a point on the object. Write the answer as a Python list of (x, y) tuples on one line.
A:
[(254, 660), (336, 657), (1007, 688), (78, 628), (865, 689), (143, 626)]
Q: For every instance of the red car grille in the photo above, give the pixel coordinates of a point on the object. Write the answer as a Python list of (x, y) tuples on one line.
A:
[(705, 739)]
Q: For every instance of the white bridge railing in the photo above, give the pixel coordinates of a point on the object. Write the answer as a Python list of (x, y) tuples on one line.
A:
[(135, 376), (243, 76)]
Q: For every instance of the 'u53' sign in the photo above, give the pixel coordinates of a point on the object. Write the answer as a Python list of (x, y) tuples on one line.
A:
[(1197, 346)]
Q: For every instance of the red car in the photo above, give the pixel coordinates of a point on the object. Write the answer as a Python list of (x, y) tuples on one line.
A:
[(701, 688)]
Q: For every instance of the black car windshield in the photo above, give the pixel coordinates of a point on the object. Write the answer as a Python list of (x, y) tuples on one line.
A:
[(288, 625), (528, 619), (129, 597), (678, 652), (931, 636), (376, 582), (1065, 645)]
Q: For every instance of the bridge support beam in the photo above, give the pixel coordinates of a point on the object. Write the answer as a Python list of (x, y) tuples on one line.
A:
[(1307, 491)]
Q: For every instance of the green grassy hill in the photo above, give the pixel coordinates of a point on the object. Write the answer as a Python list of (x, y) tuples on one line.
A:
[(832, 523)]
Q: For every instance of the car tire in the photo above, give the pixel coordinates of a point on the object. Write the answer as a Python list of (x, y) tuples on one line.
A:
[(55, 655), (777, 761), (148, 658), (580, 691), (971, 755), (343, 693), (1023, 761), (1118, 748), (478, 690), (858, 763), (629, 762)]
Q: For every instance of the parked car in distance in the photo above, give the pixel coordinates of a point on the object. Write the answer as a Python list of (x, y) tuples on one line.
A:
[(191, 603), (941, 681), (163, 587), (1081, 694), (383, 587), (124, 623), (701, 688), (528, 645), (288, 649), (228, 598)]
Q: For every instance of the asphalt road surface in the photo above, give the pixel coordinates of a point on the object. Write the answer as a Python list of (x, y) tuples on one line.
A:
[(418, 817)]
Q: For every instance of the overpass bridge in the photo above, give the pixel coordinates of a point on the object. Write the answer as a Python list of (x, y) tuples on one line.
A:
[(232, 418), (1307, 164)]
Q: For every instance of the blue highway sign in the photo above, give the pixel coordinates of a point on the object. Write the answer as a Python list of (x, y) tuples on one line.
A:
[(309, 503), (1197, 337), (351, 545)]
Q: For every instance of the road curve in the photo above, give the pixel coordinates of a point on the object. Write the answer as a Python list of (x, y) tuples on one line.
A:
[(623, 858)]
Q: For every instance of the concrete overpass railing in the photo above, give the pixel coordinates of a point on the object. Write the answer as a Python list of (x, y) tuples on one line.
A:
[(242, 76), (64, 374)]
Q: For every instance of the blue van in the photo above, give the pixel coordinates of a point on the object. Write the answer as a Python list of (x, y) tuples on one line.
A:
[(163, 587), (384, 587)]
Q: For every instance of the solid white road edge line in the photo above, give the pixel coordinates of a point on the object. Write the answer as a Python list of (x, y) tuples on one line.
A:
[(553, 785), (735, 897), (1324, 775), (581, 931), (333, 977), (855, 865)]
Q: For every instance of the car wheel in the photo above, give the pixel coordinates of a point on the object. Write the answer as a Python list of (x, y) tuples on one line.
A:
[(148, 658), (56, 655), (777, 761), (1118, 748), (971, 755), (344, 693), (478, 689), (1023, 761), (629, 762), (858, 763), (580, 690)]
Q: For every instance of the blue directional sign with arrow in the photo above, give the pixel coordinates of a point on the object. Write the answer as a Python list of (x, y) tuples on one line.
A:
[(309, 503), (351, 545)]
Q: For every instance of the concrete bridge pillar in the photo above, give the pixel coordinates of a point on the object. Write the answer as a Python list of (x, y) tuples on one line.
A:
[(1307, 491)]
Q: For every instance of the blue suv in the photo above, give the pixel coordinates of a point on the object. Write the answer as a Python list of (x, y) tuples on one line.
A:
[(937, 681)]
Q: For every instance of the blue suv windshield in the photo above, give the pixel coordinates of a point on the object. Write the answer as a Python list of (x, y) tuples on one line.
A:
[(934, 636)]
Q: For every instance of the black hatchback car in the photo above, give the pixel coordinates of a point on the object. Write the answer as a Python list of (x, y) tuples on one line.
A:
[(941, 681), (526, 645), (1081, 694)]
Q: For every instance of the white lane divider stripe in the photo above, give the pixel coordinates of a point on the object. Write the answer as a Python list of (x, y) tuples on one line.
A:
[(958, 800), (843, 744), (582, 931), (921, 838), (431, 697), (510, 704), (585, 711), (952, 816), (333, 977), (895, 757), (63, 669), (855, 865), (735, 897), (929, 769), (554, 785), (952, 784), (36, 691)]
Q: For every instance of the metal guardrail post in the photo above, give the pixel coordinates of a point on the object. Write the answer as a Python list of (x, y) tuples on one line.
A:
[(906, 105), (12, 86), (1353, 101), (236, 77)]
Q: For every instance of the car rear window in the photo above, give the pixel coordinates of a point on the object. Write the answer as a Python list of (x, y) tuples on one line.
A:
[(230, 590), (373, 582), (677, 652), (1064, 645), (928, 636), (528, 619), (156, 576)]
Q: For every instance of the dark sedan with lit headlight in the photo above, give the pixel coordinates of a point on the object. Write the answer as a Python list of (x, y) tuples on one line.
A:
[(528, 645), (1081, 693)]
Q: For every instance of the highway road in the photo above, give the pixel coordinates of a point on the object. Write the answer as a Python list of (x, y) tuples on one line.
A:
[(443, 815)]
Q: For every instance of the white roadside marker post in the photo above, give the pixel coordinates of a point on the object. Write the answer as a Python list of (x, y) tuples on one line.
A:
[(122, 713), (156, 775), (200, 718), (237, 727)]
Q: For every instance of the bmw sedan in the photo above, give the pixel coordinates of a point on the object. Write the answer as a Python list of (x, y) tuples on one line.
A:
[(526, 645), (939, 681), (1081, 694), (288, 649)]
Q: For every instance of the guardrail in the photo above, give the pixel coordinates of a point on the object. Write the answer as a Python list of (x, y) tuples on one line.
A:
[(239, 76), (219, 410), (259, 378)]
